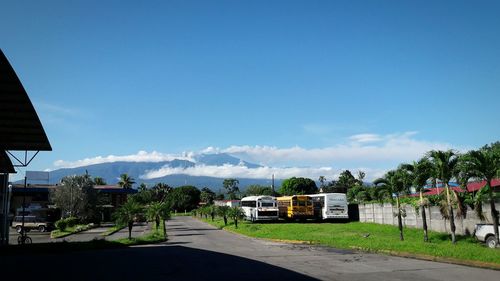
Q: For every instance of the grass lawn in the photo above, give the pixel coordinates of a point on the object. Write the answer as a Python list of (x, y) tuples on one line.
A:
[(381, 239), (112, 230)]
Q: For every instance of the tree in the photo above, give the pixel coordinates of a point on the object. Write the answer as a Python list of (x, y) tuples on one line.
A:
[(392, 183), (345, 182), (99, 181), (256, 189), (183, 198), (160, 191), (126, 215), (444, 163), (158, 211), (295, 185), (142, 187), (231, 186), (126, 181), (484, 164), (423, 170), (236, 213), (322, 180), (207, 195), (223, 211), (76, 197)]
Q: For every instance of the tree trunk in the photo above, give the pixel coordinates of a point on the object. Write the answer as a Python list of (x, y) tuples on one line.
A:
[(400, 221), (212, 215), (225, 220), (164, 229), (130, 225), (494, 212), (424, 217), (452, 216), (236, 223), (157, 223)]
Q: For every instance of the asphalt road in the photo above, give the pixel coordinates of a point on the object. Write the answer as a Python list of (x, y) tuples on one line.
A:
[(197, 251), (319, 262), (35, 235)]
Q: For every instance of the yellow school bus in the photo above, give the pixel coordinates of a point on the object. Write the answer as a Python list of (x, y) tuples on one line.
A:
[(295, 207)]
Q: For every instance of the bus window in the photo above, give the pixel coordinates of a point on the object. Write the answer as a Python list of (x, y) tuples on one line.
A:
[(302, 203), (248, 203), (294, 202), (267, 204)]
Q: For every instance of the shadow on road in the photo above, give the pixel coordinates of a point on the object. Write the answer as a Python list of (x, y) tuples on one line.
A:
[(147, 263)]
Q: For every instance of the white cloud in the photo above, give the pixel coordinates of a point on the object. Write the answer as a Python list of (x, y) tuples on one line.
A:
[(238, 171), (141, 156), (361, 149)]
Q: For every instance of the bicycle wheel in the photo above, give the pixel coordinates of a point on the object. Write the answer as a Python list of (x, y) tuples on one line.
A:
[(27, 240), (19, 239)]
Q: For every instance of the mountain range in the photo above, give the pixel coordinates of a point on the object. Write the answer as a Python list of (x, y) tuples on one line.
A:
[(111, 172)]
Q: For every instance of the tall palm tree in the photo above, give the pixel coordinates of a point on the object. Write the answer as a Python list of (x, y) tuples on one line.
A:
[(444, 163), (484, 164), (236, 213), (126, 215), (422, 171), (393, 186), (126, 181)]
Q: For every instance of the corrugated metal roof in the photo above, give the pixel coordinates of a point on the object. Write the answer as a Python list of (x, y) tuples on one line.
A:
[(5, 163), (20, 127)]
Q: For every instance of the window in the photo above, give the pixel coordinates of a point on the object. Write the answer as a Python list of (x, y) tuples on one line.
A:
[(267, 204), (248, 204)]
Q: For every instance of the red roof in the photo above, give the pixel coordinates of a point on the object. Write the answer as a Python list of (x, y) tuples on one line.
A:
[(471, 187)]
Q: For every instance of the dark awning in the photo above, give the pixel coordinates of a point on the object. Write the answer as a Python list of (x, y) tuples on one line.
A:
[(5, 163), (20, 127)]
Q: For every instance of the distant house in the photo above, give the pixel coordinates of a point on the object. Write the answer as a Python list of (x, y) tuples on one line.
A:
[(230, 203), (471, 187)]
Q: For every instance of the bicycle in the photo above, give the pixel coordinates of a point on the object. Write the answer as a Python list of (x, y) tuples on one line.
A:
[(24, 238)]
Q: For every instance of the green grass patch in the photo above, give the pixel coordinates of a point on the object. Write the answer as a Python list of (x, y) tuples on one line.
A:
[(381, 239), (113, 230), (69, 230), (156, 236), (181, 214)]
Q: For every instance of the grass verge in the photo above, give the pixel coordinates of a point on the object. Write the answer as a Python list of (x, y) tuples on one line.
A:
[(156, 236), (372, 237), (113, 230), (70, 230)]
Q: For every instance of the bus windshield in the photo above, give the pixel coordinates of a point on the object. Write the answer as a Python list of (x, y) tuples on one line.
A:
[(267, 204)]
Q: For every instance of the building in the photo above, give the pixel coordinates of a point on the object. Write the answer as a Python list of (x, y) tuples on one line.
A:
[(20, 132), (230, 203)]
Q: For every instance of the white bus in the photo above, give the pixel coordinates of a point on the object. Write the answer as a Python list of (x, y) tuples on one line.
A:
[(330, 206), (259, 208)]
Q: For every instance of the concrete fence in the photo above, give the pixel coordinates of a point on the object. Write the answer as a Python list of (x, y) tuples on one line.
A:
[(385, 214)]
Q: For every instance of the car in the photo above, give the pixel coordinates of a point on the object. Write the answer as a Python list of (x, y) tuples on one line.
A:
[(30, 222), (485, 233)]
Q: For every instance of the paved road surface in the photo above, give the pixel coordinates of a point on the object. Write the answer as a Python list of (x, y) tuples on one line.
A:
[(139, 229), (35, 235), (319, 262), (197, 251)]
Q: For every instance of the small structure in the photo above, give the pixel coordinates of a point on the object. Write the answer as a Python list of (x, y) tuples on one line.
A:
[(230, 203)]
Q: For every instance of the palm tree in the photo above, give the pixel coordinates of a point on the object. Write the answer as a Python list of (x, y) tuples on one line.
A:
[(99, 181), (126, 215), (223, 211), (142, 187), (422, 171), (393, 186), (484, 164), (126, 181), (158, 211), (161, 190), (236, 213), (444, 163)]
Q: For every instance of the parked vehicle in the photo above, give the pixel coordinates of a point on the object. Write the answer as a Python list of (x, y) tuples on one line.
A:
[(295, 207), (30, 222), (330, 206), (485, 233), (259, 208)]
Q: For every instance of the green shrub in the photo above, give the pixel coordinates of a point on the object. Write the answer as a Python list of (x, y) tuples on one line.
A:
[(61, 224), (72, 221)]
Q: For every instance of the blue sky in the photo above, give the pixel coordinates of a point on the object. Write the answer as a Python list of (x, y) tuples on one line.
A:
[(341, 84)]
